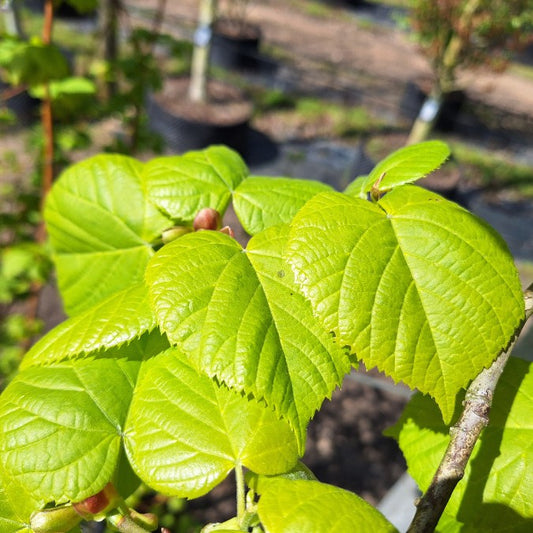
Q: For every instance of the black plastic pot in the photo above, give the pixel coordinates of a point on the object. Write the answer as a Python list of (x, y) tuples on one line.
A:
[(62, 11), (24, 107), (182, 133), (236, 51), (414, 97)]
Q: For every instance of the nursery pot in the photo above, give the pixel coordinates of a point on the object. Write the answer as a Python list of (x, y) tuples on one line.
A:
[(235, 45), (414, 97), (24, 107), (63, 10), (186, 125)]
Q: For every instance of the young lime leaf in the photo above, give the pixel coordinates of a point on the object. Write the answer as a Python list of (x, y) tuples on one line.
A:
[(101, 222), (121, 318), (61, 427), (240, 318), (357, 188), (257, 482), (494, 494), (185, 433), (313, 507), (16, 506), (406, 165), (182, 185), (412, 284), (261, 202)]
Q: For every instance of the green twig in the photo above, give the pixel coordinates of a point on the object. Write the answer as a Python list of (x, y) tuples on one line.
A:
[(241, 496)]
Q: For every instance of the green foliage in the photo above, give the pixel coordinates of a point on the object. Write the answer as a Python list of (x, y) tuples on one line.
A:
[(31, 62), (383, 285), (310, 506), (493, 495), (184, 361), (486, 37)]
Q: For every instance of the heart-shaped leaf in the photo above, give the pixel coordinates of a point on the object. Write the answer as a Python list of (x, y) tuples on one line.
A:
[(61, 427), (185, 432), (407, 165), (416, 285), (119, 319), (261, 202), (240, 318), (182, 185), (303, 506), (494, 493), (101, 223)]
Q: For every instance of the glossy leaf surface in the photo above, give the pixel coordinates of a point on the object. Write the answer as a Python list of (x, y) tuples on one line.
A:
[(119, 319), (240, 318), (15, 507), (407, 165), (101, 222), (182, 185), (61, 427), (298, 506), (416, 285), (185, 432), (495, 493), (261, 202)]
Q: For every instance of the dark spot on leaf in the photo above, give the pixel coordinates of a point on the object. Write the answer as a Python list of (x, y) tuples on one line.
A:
[(281, 273)]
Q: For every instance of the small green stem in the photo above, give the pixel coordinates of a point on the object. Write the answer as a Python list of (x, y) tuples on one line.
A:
[(128, 525), (241, 496)]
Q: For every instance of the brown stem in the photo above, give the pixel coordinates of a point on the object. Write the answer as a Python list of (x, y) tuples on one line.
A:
[(46, 118), (48, 164), (464, 434)]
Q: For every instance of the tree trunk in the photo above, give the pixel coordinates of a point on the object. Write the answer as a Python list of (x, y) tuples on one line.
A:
[(108, 29), (427, 118), (200, 57), (12, 20), (425, 122)]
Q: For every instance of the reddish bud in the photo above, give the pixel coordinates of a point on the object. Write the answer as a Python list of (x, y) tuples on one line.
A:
[(99, 503), (207, 218)]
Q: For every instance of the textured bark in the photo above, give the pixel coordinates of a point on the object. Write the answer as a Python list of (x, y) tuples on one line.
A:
[(464, 434)]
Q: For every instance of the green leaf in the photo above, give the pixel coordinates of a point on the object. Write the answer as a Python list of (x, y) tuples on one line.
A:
[(34, 63), (258, 482), (61, 427), (298, 506), (240, 318), (495, 493), (185, 432), (416, 285), (74, 85), (357, 187), (119, 319), (407, 164), (182, 185), (261, 202), (101, 222), (15, 506)]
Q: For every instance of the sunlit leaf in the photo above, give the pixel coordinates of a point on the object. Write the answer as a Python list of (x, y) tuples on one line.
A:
[(240, 318), (185, 433), (494, 494), (416, 285), (301, 506)]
